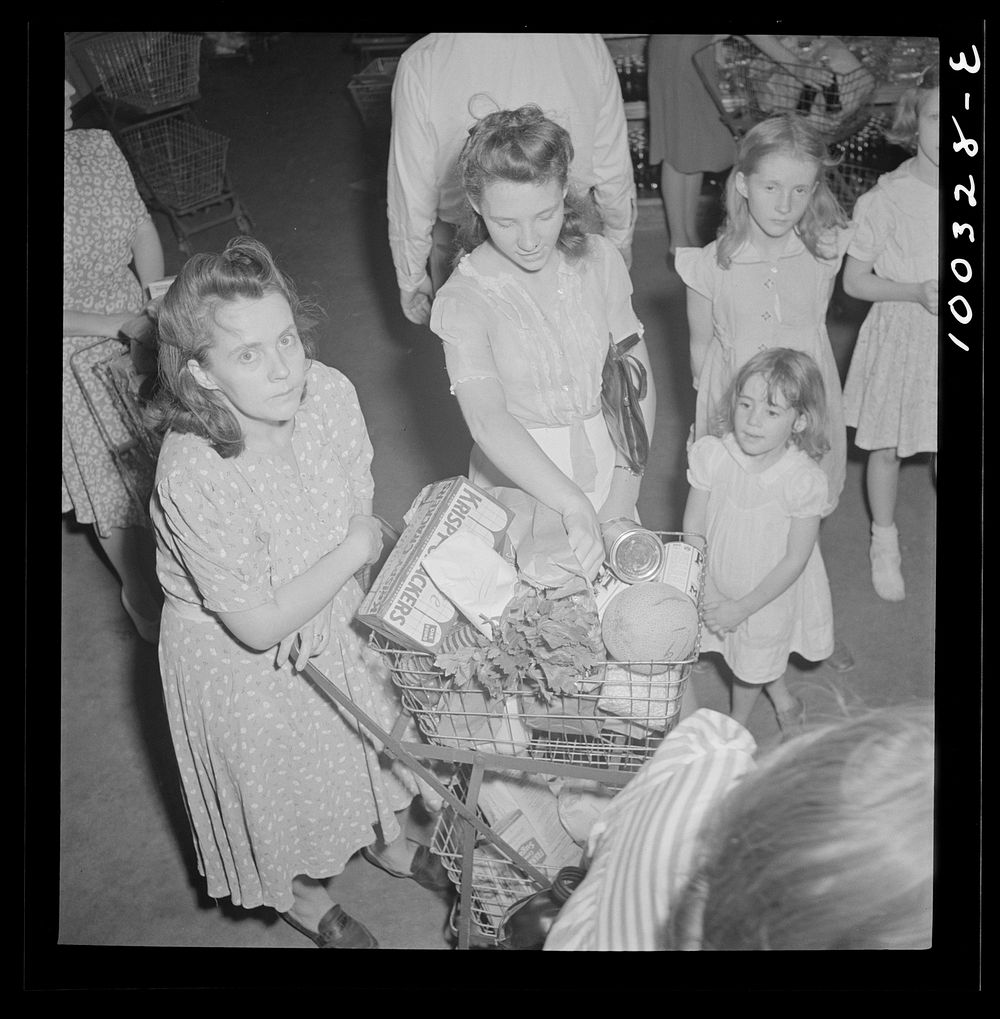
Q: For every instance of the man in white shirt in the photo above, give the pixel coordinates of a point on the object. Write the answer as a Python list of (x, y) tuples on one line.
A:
[(444, 83)]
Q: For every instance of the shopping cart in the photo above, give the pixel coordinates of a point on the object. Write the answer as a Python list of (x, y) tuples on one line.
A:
[(747, 87), (145, 71), (603, 731), (108, 366), (180, 170), (145, 84)]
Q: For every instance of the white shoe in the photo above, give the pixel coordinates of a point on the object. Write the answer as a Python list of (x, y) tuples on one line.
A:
[(886, 559)]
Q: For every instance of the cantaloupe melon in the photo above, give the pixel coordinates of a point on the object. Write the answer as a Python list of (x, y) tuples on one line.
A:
[(650, 622)]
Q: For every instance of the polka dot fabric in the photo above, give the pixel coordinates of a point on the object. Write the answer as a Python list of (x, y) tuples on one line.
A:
[(101, 213), (278, 781)]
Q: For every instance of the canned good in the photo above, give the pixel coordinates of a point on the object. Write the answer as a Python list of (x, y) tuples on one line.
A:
[(634, 554)]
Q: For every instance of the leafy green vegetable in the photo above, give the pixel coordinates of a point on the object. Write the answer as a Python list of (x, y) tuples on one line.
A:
[(540, 642)]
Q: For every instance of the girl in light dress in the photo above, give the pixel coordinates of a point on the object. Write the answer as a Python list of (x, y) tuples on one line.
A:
[(758, 494), (890, 396), (766, 281), (526, 319)]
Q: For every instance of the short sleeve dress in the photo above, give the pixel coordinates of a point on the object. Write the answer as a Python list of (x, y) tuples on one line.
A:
[(891, 391), (758, 304), (548, 360), (101, 213), (749, 517), (278, 781)]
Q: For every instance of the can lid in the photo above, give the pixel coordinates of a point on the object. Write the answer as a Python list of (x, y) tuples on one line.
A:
[(638, 552)]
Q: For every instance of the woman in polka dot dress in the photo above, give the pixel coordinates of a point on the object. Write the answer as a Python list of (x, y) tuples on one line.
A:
[(262, 511)]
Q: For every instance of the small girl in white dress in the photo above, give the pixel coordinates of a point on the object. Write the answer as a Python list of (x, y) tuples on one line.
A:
[(757, 494), (890, 396)]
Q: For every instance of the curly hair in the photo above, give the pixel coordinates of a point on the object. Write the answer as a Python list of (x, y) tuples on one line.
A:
[(796, 376), (828, 845), (903, 130), (786, 134), (521, 146), (185, 321)]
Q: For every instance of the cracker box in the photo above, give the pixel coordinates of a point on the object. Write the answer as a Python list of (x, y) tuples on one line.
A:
[(404, 604)]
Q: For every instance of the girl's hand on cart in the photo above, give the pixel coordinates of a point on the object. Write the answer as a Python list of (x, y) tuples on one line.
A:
[(309, 640), (723, 615)]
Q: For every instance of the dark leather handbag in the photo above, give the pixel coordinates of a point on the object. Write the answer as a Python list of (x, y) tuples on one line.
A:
[(623, 385)]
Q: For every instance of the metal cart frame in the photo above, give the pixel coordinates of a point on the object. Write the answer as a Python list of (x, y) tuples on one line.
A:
[(477, 762), (135, 454), (145, 84)]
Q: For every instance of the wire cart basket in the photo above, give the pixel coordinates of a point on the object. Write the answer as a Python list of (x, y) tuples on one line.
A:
[(149, 71), (106, 367), (747, 87), (603, 731), (145, 84), (180, 170), (371, 91)]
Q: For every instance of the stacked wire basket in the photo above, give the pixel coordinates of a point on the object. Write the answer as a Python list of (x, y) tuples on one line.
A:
[(146, 83), (612, 722)]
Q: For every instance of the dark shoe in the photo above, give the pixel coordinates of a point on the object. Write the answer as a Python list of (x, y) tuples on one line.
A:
[(426, 868), (841, 660), (336, 930)]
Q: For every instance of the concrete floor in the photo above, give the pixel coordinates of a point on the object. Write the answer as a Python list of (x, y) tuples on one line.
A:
[(314, 187)]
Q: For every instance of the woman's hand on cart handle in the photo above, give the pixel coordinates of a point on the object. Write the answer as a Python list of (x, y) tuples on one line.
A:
[(311, 639), (366, 533)]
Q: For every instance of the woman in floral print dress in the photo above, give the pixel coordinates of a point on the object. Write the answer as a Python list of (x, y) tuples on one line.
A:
[(262, 510), (105, 227)]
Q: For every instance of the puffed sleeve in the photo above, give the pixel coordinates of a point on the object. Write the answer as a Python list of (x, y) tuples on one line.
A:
[(343, 423), (133, 207), (871, 230), (462, 326), (703, 460), (699, 269), (213, 533), (806, 492), (622, 318)]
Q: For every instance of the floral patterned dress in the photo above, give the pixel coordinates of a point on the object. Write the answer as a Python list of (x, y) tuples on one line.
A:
[(102, 212), (891, 393), (277, 779)]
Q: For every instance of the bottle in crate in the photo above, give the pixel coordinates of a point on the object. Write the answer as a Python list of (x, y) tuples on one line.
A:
[(527, 923)]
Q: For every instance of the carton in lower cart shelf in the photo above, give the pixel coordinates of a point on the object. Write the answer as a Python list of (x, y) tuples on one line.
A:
[(403, 603), (524, 811)]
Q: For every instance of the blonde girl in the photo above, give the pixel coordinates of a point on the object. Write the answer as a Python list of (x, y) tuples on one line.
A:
[(766, 280), (757, 494), (890, 396)]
